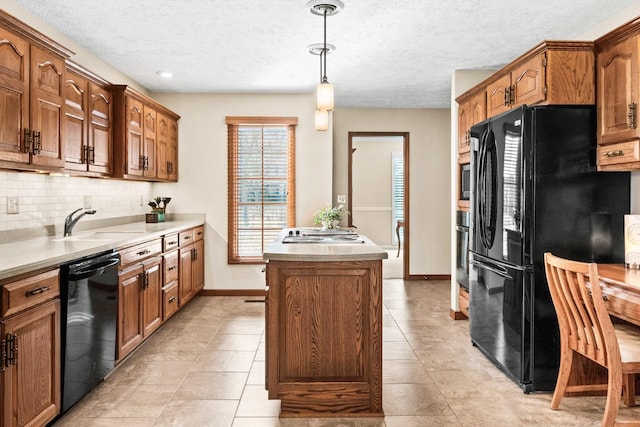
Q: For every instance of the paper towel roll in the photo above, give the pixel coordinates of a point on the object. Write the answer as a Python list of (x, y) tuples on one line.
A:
[(632, 241)]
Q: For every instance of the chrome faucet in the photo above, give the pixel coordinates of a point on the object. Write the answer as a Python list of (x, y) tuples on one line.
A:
[(70, 221)]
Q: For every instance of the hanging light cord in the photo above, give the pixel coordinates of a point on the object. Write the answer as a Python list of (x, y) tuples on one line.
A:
[(324, 50)]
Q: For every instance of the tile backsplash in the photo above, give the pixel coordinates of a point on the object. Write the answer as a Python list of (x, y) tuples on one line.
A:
[(44, 200)]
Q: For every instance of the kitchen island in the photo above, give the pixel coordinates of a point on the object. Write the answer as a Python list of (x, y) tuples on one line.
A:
[(324, 325)]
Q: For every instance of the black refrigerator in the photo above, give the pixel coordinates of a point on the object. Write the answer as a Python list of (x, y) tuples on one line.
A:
[(536, 189)]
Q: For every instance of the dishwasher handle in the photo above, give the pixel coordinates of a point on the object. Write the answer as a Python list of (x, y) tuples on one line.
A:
[(93, 269)]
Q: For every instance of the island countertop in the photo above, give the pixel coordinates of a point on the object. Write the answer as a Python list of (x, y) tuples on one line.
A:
[(361, 250)]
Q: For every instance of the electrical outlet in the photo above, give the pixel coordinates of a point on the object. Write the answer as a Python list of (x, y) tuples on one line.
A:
[(342, 198), (87, 202), (12, 205), (141, 201)]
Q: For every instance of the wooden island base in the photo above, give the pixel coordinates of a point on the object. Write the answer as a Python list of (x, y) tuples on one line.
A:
[(324, 337)]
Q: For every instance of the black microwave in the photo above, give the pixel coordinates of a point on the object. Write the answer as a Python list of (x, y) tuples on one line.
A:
[(465, 181)]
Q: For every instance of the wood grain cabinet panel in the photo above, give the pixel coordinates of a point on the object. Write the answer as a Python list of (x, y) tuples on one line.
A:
[(324, 337), (30, 357), (145, 137), (88, 124), (32, 76)]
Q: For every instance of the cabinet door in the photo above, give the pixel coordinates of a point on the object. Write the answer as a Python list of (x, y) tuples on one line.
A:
[(75, 117), (31, 387), (198, 266), (100, 129), (46, 100), (618, 91), (135, 144), (172, 153), (163, 147), (14, 96), (129, 310), (496, 96), (478, 108), (464, 121), (152, 297), (185, 284), (150, 128), (528, 82)]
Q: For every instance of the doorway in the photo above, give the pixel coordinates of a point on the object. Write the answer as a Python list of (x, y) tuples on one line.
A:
[(378, 191)]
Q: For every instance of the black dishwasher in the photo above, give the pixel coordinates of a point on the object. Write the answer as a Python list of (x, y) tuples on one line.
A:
[(89, 294)]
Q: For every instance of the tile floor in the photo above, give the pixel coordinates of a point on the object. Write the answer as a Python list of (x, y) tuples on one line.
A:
[(205, 367)]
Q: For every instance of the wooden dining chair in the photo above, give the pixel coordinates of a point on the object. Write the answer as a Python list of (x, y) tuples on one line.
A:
[(586, 328)]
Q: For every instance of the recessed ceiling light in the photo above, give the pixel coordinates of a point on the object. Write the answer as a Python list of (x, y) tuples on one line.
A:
[(165, 74)]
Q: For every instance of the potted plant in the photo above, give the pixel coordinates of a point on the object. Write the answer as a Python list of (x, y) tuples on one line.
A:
[(329, 217)]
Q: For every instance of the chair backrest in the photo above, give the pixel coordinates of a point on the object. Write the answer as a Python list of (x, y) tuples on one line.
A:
[(582, 315)]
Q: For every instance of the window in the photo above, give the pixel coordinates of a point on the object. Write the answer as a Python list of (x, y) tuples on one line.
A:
[(397, 193), (261, 183)]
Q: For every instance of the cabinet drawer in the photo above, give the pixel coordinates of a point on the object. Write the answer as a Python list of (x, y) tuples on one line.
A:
[(169, 242), (170, 265), (624, 152), (198, 233), (169, 300), (28, 292), (139, 252), (186, 237)]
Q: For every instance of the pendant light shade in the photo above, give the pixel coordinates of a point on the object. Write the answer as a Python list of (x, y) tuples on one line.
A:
[(324, 96), (324, 91), (322, 120)]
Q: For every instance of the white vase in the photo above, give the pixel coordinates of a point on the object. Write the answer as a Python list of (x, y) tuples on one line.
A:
[(330, 224)]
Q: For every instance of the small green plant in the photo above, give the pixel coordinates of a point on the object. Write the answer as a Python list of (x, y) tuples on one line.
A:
[(329, 217)]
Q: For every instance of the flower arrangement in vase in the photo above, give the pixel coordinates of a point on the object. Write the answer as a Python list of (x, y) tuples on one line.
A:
[(159, 206), (330, 217)]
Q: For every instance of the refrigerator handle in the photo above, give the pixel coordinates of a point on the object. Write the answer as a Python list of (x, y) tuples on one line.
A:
[(500, 271)]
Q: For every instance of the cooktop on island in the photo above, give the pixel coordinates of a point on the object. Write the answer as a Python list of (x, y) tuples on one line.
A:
[(317, 235)]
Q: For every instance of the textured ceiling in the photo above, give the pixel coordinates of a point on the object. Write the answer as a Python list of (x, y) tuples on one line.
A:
[(389, 54)]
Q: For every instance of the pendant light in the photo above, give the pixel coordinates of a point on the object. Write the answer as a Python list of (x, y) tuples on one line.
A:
[(324, 91), (321, 49)]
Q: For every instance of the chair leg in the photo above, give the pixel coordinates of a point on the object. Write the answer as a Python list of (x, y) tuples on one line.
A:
[(613, 398), (629, 389), (566, 362)]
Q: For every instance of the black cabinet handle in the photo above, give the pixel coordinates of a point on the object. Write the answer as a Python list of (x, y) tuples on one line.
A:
[(37, 291)]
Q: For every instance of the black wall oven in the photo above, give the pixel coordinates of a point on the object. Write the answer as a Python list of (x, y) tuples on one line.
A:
[(462, 249)]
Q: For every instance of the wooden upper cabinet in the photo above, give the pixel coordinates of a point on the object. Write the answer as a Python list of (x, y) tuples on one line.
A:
[(498, 95), (14, 97), (470, 111), (149, 146), (143, 142), (32, 76), (88, 126), (554, 72), (618, 91), (100, 131), (167, 145)]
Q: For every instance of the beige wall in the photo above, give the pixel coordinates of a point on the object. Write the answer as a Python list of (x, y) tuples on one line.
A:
[(202, 185), (429, 170)]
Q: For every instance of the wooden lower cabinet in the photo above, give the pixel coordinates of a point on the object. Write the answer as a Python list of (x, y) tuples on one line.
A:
[(324, 338), (140, 301), (191, 271), (31, 386)]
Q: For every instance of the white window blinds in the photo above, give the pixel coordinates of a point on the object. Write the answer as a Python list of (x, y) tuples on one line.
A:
[(261, 183)]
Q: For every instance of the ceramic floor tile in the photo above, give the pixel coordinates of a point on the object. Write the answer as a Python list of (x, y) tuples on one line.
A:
[(205, 367), (255, 403), (235, 342), (225, 360), (191, 413), (414, 399), (202, 385)]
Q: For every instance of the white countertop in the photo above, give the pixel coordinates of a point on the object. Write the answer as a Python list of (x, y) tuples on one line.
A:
[(362, 251), (30, 255)]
